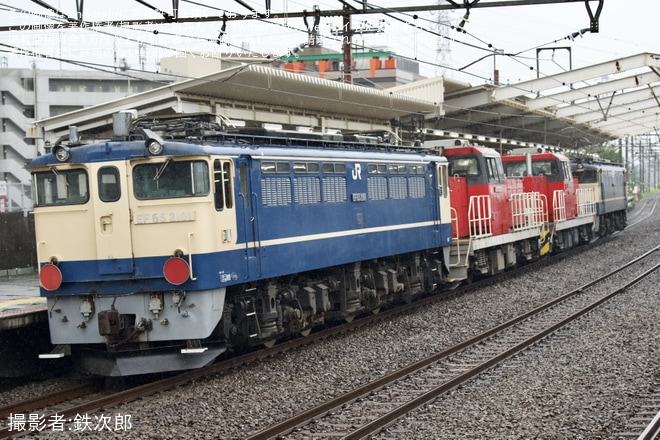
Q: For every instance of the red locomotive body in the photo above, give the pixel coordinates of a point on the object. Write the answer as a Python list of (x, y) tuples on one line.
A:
[(480, 192), (495, 221), (570, 211), (550, 175)]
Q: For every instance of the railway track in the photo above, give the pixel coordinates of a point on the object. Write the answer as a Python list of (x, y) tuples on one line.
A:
[(644, 213), (370, 408), (95, 402), (646, 423), (652, 430), (51, 399)]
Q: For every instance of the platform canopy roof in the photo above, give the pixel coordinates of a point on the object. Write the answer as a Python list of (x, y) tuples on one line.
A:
[(254, 92), (589, 105), (575, 109)]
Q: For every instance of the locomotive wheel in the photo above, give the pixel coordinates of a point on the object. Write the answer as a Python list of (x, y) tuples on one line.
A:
[(305, 332), (375, 311), (269, 344), (349, 318)]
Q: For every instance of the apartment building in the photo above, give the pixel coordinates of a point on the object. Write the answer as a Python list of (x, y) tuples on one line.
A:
[(27, 95)]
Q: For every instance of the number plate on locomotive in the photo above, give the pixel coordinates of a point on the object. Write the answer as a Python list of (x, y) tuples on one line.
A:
[(163, 217)]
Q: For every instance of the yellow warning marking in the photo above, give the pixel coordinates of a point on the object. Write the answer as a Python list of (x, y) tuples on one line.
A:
[(22, 301), (544, 241)]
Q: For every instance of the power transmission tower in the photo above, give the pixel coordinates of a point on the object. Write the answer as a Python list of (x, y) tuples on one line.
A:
[(443, 49)]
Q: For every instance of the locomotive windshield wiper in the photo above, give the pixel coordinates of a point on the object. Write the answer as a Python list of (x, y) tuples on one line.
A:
[(161, 169)]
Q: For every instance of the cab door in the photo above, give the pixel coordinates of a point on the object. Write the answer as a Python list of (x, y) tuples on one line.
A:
[(114, 247), (444, 204), (246, 211)]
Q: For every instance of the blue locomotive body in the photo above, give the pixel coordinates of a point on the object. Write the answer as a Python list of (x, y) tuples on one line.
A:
[(303, 230), (608, 181), (284, 223), (159, 252), (235, 241)]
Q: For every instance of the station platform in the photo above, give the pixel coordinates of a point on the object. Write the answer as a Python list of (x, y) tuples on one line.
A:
[(20, 303), (24, 333)]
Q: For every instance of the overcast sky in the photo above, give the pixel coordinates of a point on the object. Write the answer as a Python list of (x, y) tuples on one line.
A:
[(627, 27)]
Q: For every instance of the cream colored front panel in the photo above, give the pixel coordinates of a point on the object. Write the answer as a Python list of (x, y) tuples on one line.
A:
[(445, 203), (65, 232), (111, 214), (64, 226), (190, 224)]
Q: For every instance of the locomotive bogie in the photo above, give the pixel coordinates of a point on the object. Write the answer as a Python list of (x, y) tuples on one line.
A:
[(160, 255), (296, 304)]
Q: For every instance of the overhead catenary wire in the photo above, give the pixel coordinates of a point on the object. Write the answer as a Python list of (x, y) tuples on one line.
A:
[(270, 22), (263, 89), (297, 29), (303, 30)]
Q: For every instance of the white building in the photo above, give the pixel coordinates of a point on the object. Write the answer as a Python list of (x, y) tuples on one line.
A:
[(27, 95)]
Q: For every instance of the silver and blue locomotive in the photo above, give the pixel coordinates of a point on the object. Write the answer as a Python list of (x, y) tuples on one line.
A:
[(608, 180)]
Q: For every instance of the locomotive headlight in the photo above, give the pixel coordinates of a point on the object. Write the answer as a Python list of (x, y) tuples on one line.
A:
[(155, 148), (153, 142), (62, 153)]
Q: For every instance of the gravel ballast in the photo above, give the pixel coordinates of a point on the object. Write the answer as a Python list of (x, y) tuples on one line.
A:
[(584, 382)]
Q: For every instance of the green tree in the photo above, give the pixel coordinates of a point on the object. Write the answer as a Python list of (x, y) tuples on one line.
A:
[(609, 152)]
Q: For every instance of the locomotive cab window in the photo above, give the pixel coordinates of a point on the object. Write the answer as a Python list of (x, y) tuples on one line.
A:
[(566, 170), (222, 182), (587, 176), (463, 166), (171, 179), (544, 168), (109, 187), (495, 170), (515, 169), (61, 187)]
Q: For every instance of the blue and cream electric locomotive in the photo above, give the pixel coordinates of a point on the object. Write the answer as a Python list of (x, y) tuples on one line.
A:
[(178, 240), (608, 181), (158, 252)]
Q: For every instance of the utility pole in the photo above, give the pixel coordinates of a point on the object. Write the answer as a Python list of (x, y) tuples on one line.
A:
[(346, 33), (347, 45), (641, 168)]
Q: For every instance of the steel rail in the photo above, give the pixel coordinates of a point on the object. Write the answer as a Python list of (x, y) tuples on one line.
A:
[(223, 366), (54, 398), (307, 416), (652, 431), (378, 424)]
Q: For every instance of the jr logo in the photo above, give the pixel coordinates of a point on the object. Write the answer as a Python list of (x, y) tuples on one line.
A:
[(357, 172)]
